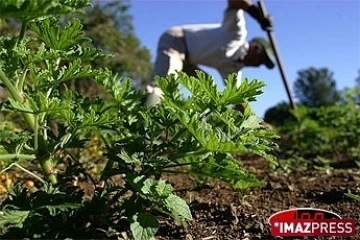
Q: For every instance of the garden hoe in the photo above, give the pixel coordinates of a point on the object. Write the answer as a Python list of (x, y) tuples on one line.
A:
[(277, 55)]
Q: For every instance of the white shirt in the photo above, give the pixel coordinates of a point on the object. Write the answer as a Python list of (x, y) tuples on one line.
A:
[(220, 45)]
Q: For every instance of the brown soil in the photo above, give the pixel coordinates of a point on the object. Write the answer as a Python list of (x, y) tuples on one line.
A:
[(222, 213)]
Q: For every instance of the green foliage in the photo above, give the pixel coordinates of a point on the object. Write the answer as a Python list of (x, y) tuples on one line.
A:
[(353, 196), (33, 212), (110, 27), (316, 87), (351, 94), (279, 114), (200, 130), (144, 226), (39, 8), (357, 79), (13, 217), (198, 135), (57, 38), (328, 131)]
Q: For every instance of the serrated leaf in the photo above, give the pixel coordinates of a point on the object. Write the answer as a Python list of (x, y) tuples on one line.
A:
[(163, 189), (353, 196), (248, 183), (76, 70), (138, 183), (129, 159), (13, 217), (207, 84), (213, 139), (66, 206), (2, 149), (6, 134), (40, 103), (227, 169), (191, 84), (252, 122), (230, 91), (144, 226), (85, 53), (55, 37), (227, 118), (358, 163), (247, 91), (119, 87), (92, 119), (147, 186), (26, 10), (20, 107), (65, 139), (178, 207)]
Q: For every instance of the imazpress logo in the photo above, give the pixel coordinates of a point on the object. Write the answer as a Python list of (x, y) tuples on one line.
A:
[(310, 222)]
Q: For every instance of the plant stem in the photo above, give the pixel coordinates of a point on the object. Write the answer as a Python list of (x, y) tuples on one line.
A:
[(22, 32), (193, 153), (17, 156), (36, 134), (29, 119), (30, 173), (177, 165), (177, 135), (42, 152), (21, 80), (175, 172), (108, 167), (47, 168)]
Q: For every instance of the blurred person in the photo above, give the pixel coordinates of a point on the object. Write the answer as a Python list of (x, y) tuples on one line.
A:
[(222, 46)]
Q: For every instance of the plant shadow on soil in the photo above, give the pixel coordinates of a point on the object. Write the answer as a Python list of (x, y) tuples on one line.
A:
[(222, 213)]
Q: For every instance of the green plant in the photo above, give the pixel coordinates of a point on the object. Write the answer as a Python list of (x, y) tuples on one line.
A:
[(198, 135), (279, 114), (316, 87), (353, 196), (328, 132), (286, 166)]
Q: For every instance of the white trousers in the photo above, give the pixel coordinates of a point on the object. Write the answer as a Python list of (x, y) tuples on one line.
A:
[(171, 57)]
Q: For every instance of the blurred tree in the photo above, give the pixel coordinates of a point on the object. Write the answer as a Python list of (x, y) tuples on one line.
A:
[(357, 89), (316, 87), (279, 114), (109, 25), (351, 94), (357, 79)]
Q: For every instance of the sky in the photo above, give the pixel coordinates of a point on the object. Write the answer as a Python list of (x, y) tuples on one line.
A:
[(308, 33)]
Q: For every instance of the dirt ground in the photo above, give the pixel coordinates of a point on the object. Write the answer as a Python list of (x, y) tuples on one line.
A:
[(221, 213)]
